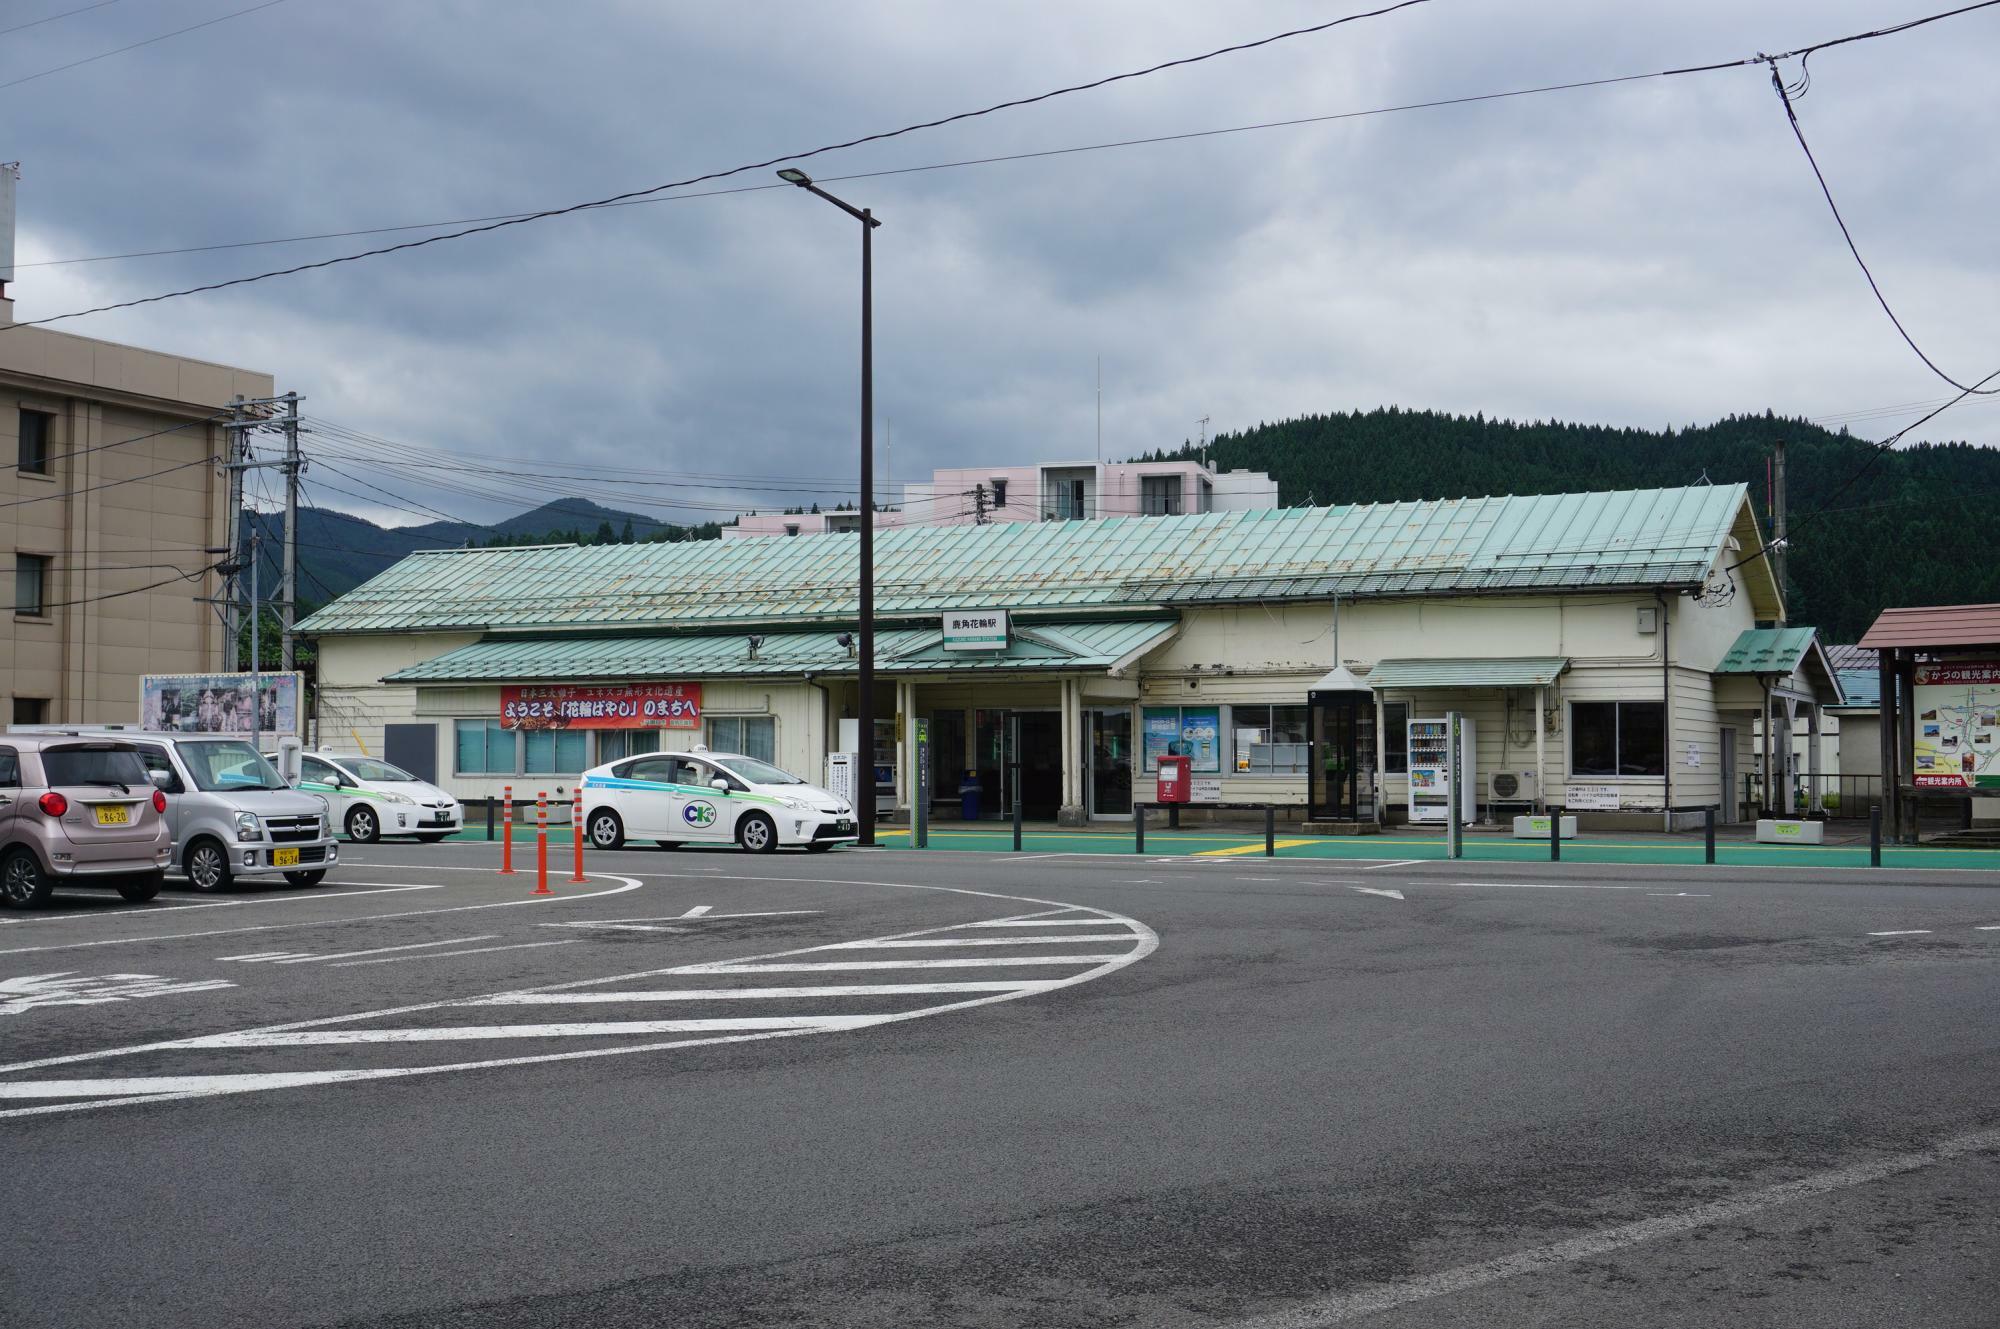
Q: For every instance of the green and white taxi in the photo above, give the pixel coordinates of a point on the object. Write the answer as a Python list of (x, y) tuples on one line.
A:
[(703, 797), (370, 798)]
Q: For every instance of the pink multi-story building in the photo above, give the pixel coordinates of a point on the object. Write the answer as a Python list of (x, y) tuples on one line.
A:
[(1052, 491)]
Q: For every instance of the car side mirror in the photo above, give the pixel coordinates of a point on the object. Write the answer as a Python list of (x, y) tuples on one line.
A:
[(723, 785), (162, 780)]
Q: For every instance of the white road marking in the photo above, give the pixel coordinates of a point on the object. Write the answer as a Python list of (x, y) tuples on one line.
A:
[(926, 943), (384, 950), (1986, 927), (1548, 885), (477, 1032), (255, 956), (169, 1089), (697, 911), (1371, 890), (983, 962), (1344, 1306), (763, 994), (1039, 923), (294, 898), (630, 885), (453, 955), (1679, 895), (1392, 863), (68, 988), (1905, 932)]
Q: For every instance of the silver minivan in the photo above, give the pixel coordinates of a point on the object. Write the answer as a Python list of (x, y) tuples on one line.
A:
[(230, 813)]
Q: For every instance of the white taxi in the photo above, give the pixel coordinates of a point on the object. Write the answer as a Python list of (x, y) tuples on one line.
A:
[(703, 797), (369, 798)]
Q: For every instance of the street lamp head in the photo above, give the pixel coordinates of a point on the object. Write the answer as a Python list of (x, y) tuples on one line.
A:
[(792, 175)]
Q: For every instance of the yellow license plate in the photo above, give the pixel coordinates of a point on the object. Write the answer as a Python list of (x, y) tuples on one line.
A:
[(113, 814), (284, 858)]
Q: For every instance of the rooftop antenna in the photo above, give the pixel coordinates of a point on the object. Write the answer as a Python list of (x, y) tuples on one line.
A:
[(9, 173), (888, 456), (1203, 422), (1100, 410)]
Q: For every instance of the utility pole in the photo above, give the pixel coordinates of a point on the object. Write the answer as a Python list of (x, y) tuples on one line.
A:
[(256, 641), (238, 441), (979, 505), (289, 581), (1780, 551)]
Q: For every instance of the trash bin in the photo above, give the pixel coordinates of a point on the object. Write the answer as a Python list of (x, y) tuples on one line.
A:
[(968, 796)]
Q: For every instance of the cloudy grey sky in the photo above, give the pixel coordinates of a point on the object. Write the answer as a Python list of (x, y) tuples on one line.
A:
[(1649, 254)]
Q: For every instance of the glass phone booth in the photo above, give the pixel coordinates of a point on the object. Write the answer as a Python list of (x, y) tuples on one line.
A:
[(1340, 757)]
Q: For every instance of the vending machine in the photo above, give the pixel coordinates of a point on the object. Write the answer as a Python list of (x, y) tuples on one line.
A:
[(1430, 770)]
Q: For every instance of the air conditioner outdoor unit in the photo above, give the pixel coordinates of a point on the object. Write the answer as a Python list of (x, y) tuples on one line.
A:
[(1512, 787)]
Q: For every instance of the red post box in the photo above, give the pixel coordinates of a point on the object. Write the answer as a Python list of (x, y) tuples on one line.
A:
[(1175, 784)]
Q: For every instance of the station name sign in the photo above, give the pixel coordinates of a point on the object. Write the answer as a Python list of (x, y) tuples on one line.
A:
[(976, 630), (610, 706)]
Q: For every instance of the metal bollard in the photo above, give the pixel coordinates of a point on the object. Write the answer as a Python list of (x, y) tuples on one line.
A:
[(1173, 816), (542, 842), (1270, 830), (1138, 828), (1017, 820), (1555, 837), (507, 830), (489, 821), (1708, 834), (576, 835), (1874, 835)]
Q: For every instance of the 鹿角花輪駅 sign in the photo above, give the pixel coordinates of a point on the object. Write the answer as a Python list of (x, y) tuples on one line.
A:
[(975, 630)]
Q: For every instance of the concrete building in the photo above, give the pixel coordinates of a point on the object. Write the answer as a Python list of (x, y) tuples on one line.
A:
[(1053, 491), (113, 491), (1607, 648)]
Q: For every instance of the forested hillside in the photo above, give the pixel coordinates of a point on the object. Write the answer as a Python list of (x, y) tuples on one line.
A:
[(1917, 527)]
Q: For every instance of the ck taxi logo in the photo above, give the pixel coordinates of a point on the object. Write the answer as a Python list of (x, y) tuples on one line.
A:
[(698, 813)]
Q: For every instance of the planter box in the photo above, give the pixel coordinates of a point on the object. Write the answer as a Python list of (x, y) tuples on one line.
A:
[(1791, 832), (1537, 828)]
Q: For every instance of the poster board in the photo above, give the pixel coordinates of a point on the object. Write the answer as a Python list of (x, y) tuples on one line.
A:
[(221, 703), (1956, 743), (612, 706)]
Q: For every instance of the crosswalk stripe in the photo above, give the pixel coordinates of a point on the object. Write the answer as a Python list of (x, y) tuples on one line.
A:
[(979, 962), (308, 958), (329, 1037), (762, 994), (918, 943)]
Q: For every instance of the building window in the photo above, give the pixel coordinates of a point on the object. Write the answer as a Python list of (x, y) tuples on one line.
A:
[(31, 580), (1396, 737), (37, 429), (555, 752), (10, 769), (617, 744), (1160, 496), (31, 710), (1613, 738), (752, 735), (484, 747), (1183, 731), (999, 492), (1269, 740)]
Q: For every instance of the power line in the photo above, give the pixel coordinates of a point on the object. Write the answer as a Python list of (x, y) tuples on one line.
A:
[(1792, 118), (723, 174), (109, 484), (36, 23), (106, 55)]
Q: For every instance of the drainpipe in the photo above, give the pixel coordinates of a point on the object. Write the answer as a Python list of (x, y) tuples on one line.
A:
[(1667, 708)]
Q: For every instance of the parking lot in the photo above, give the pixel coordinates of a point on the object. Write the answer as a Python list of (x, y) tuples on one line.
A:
[(1063, 1088)]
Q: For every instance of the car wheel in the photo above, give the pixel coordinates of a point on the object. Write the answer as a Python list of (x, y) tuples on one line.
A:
[(312, 877), (208, 867), (23, 884), (757, 833), (141, 889), (363, 826), (433, 839), (605, 829)]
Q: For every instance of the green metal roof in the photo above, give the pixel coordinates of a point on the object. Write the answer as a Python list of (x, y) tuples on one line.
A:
[(1101, 645), (1525, 672), (1642, 538), (1767, 651)]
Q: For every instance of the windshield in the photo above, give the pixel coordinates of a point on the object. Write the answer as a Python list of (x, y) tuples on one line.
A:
[(106, 766), (758, 772), (229, 766), (367, 768)]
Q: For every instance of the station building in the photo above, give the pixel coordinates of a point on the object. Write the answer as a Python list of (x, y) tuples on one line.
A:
[(1612, 651)]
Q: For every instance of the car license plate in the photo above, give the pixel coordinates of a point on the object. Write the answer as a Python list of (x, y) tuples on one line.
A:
[(113, 814), (284, 858), (843, 826)]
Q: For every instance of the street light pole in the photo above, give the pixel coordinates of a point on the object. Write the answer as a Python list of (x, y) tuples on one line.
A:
[(865, 685)]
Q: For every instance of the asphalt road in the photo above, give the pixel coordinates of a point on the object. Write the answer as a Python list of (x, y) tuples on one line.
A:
[(707, 1089)]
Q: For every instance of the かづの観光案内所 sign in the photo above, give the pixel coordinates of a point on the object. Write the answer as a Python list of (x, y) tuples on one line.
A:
[(1957, 739)]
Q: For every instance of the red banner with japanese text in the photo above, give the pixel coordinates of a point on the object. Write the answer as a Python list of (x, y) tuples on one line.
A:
[(606, 706)]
